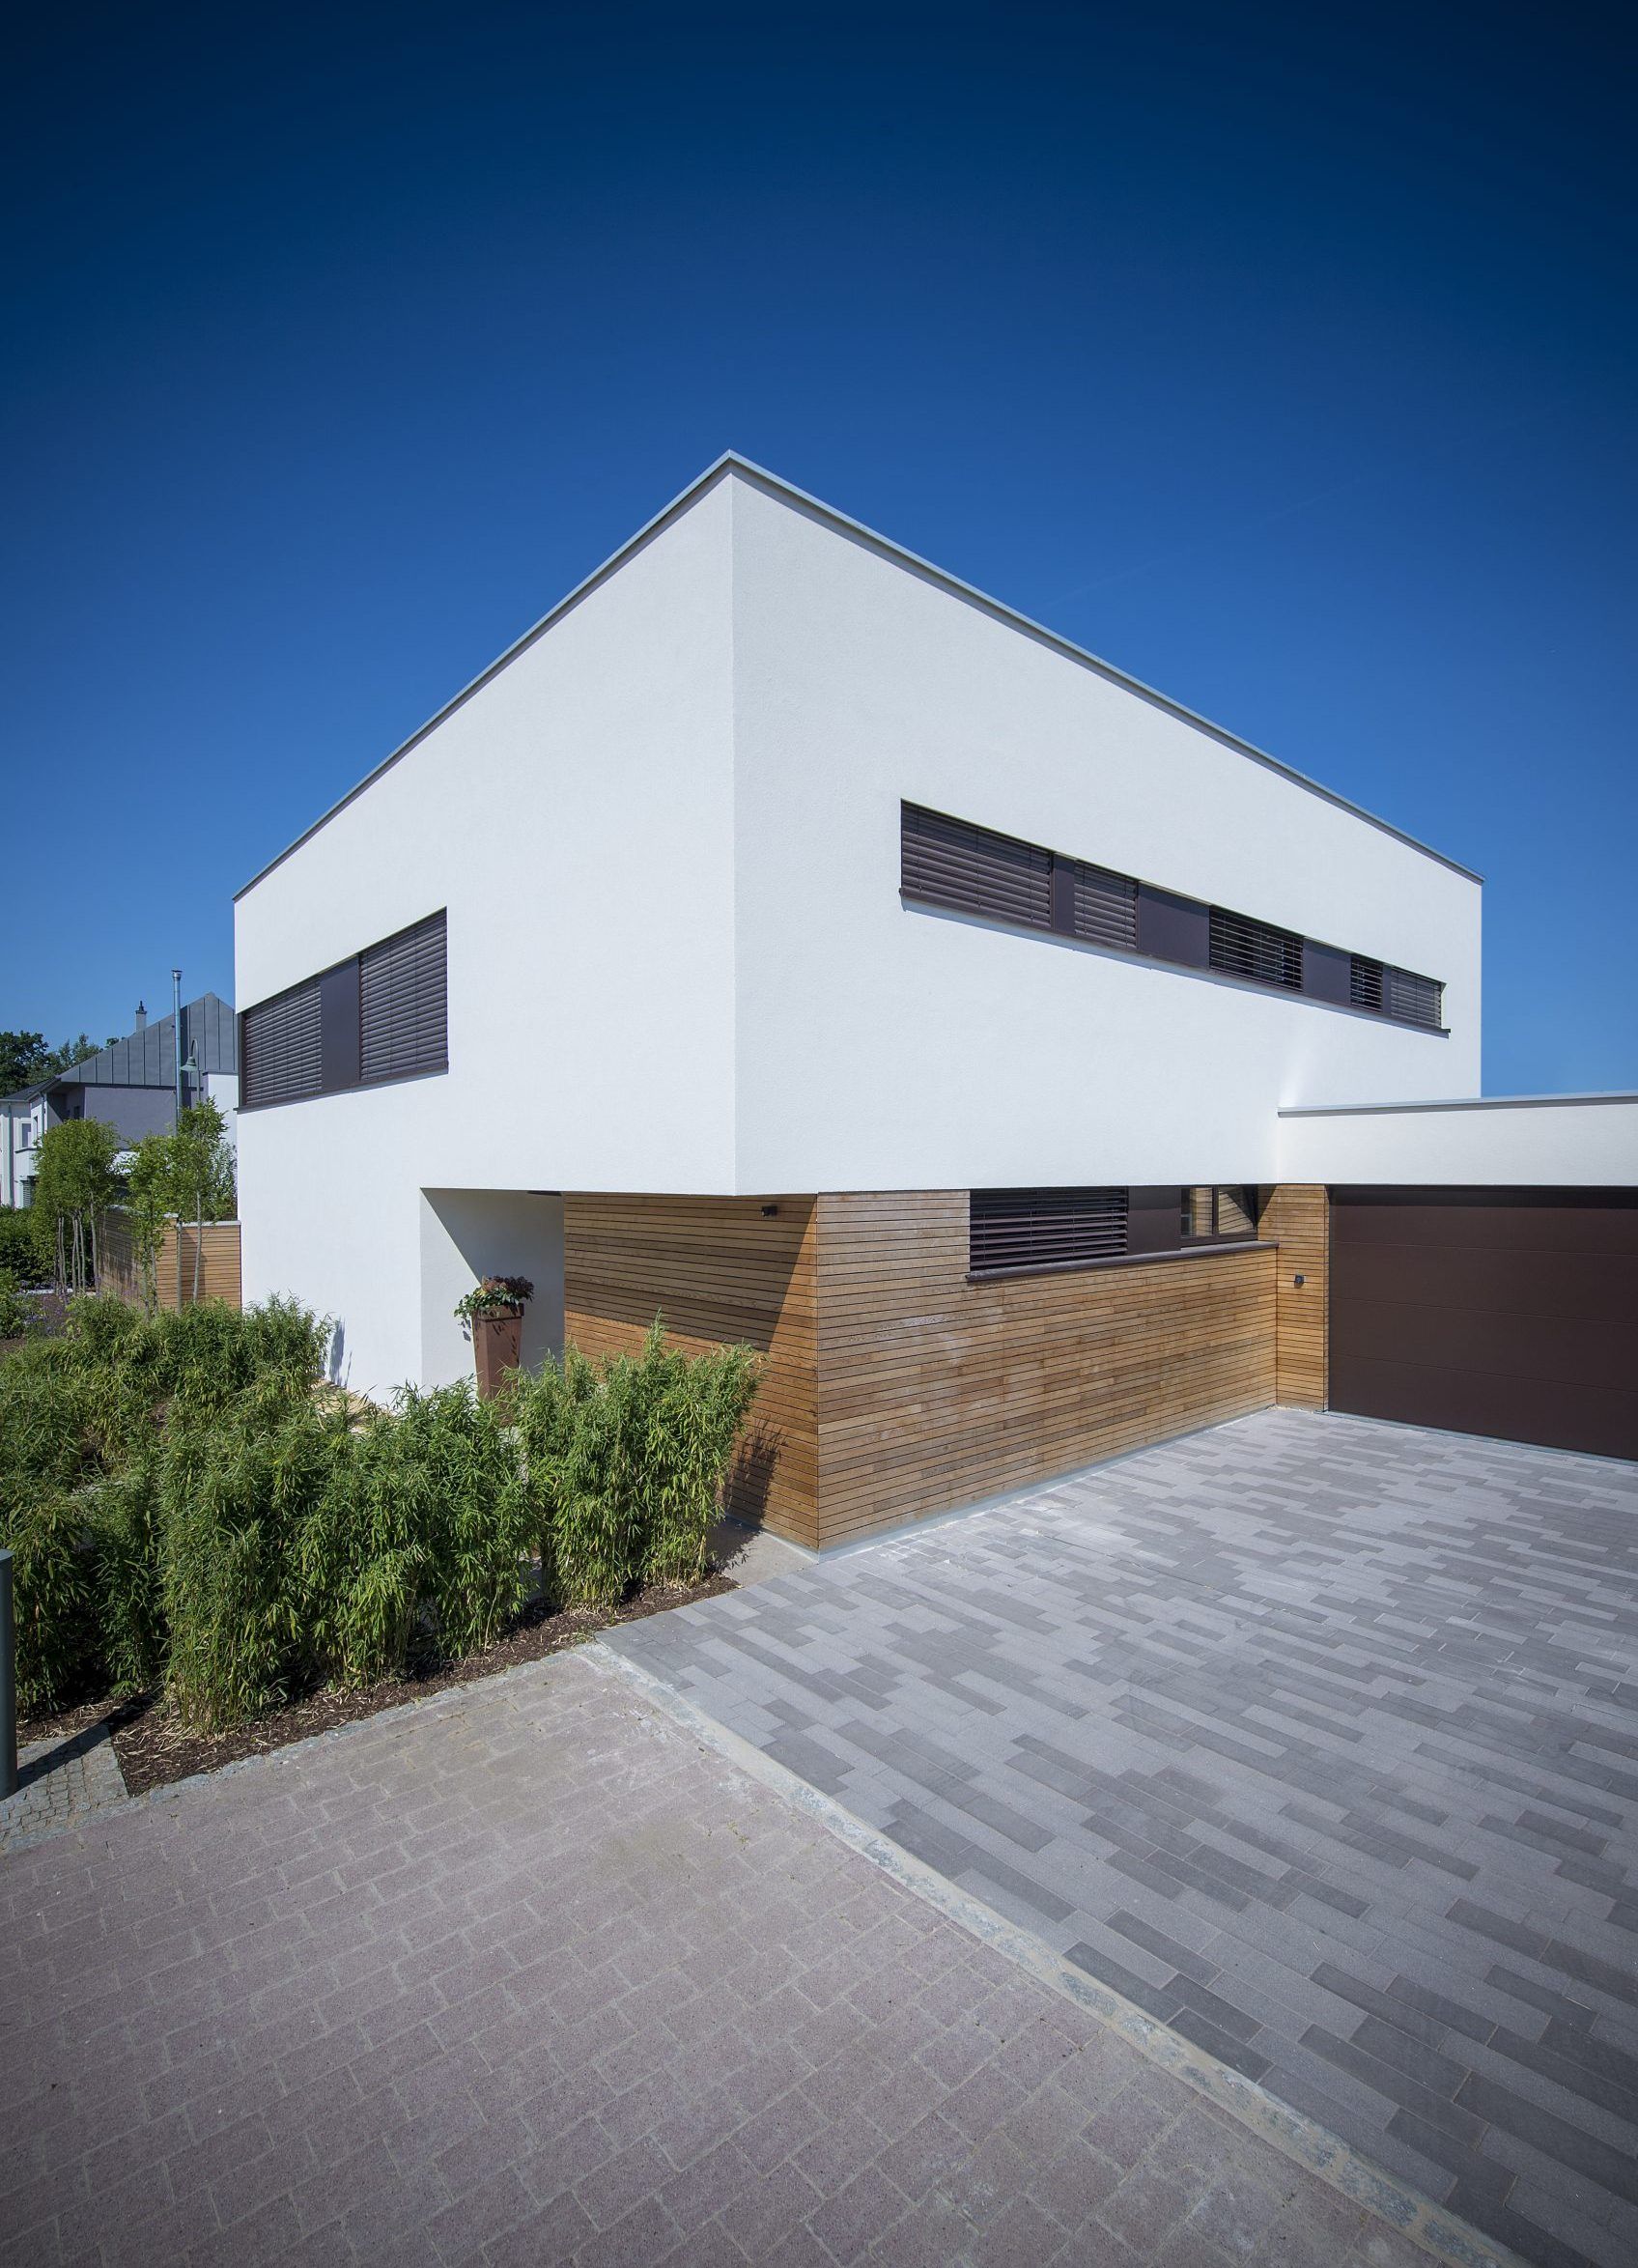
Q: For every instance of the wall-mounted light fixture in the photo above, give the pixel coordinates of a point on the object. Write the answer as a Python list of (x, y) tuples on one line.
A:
[(1298, 1281)]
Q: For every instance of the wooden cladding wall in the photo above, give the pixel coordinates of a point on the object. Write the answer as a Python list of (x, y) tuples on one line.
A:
[(716, 1269), (1297, 1216), (218, 1264), (934, 1392), (894, 1388)]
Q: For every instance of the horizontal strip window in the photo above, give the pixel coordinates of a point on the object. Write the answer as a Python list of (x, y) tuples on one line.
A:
[(972, 870), (1243, 947), (1037, 1232), (380, 1017), (950, 864), (1398, 993), (1016, 1230), (1106, 907)]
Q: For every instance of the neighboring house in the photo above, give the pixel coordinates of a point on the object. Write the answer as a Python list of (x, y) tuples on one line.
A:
[(130, 1084), (788, 938)]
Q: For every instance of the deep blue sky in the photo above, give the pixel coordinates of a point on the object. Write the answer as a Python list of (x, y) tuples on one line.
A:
[(1286, 360)]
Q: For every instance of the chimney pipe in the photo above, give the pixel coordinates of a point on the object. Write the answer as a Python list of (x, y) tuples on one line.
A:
[(141, 1016)]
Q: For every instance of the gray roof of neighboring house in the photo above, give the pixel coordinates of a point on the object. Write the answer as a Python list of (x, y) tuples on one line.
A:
[(148, 1057)]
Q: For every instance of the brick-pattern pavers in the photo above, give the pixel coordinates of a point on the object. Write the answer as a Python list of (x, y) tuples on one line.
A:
[(1315, 1739), (59, 1782), (523, 1975)]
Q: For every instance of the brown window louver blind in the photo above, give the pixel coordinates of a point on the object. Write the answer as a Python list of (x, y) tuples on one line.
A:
[(402, 1004), (1106, 907), (1364, 983), (280, 1054), (1398, 993), (949, 862), (1043, 1227), (1416, 1000), (1240, 947)]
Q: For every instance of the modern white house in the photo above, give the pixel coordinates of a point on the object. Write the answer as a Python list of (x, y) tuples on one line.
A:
[(130, 1084), (787, 938)]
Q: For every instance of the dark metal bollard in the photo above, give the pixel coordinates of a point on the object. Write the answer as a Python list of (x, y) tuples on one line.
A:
[(8, 1681)]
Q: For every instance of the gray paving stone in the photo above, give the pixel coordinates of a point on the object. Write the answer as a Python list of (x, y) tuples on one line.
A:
[(1301, 1700), (647, 2013), (60, 1783)]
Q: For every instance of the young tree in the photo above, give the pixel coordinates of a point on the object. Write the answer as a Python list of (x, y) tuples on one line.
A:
[(73, 1187), (149, 1180), (201, 1182)]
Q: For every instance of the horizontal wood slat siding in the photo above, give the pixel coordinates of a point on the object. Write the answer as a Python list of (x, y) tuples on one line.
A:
[(716, 1271), (1297, 1216), (934, 1392)]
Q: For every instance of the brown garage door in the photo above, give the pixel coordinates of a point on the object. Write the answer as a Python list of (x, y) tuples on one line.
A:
[(1511, 1312)]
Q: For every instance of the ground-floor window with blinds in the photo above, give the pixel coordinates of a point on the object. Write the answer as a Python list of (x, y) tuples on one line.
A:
[(383, 1015), (1018, 1228), (1033, 1232)]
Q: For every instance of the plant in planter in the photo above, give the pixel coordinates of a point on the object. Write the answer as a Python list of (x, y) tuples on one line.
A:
[(492, 1316)]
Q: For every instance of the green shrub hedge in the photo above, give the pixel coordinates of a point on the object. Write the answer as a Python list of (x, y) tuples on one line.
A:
[(627, 1458), (23, 1245), (184, 1508)]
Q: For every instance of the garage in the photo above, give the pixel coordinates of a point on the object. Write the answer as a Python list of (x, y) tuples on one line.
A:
[(1507, 1312)]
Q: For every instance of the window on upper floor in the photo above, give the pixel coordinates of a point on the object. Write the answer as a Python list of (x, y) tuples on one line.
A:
[(380, 1017), (404, 1005), (948, 863), (1105, 906), (1243, 947), (970, 870), (278, 1049), (1415, 999), (1383, 990)]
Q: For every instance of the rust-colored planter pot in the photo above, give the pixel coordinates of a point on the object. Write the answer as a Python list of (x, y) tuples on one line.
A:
[(497, 1343)]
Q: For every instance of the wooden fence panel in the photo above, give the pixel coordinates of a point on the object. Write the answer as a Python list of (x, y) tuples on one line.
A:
[(218, 1264)]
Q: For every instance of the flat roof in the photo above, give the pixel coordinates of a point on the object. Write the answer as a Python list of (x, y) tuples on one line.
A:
[(1466, 1102), (730, 462)]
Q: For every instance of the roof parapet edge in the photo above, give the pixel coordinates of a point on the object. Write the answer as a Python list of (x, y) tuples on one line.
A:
[(731, 462)]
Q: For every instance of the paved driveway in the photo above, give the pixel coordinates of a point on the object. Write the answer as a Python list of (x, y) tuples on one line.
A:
[(1317, 1739), (523, 1975)]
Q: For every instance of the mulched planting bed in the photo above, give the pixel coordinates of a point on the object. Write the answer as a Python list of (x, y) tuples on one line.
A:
[(156, 1748)]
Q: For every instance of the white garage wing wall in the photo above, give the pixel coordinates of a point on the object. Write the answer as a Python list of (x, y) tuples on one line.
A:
[(1522, 1142)]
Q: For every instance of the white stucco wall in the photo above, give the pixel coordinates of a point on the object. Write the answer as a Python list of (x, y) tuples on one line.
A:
[(882, 1046), (575, 816), (1587, 1141), (667, 834)]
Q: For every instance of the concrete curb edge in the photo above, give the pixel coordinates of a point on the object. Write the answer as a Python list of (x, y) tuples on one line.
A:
[(1301, 2139)]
